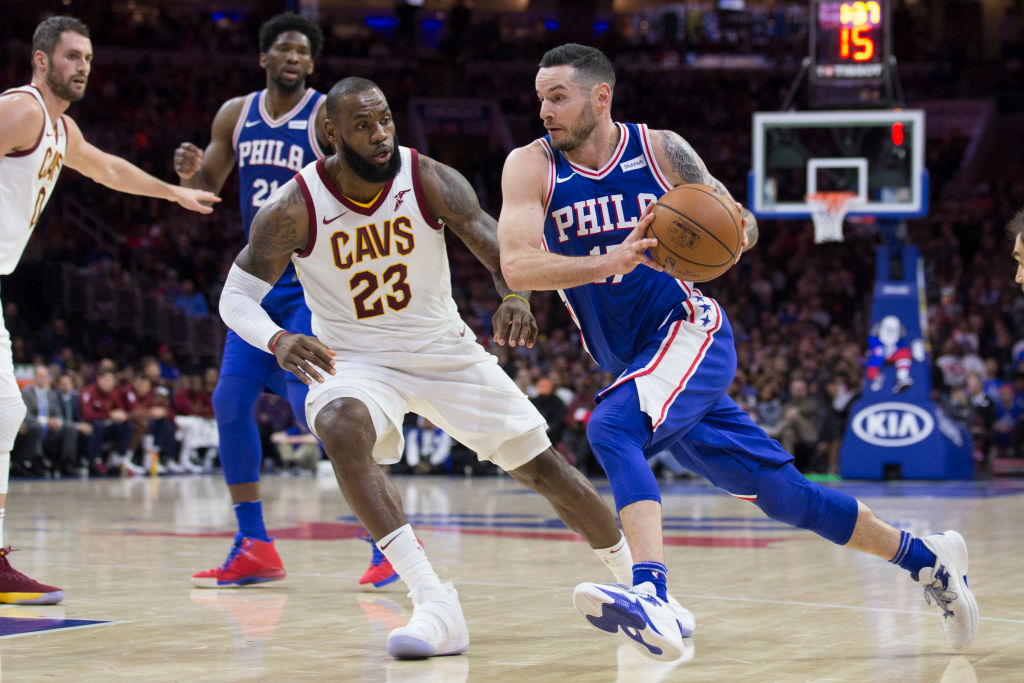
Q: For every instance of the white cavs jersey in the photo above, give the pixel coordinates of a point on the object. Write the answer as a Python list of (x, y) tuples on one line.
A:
[(375, 276), (27, 178)]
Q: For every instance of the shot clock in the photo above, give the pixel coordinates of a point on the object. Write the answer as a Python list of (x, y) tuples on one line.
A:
[(850, 42)]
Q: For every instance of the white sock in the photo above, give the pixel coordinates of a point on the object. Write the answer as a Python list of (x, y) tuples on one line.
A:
[(2, 526), (619, 560), (407, 557)]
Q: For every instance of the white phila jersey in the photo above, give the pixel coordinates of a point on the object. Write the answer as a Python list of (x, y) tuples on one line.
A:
[(27, 178), (376, 275)]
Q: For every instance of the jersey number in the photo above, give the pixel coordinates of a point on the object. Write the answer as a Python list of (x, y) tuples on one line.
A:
[(261, 191), (396, 301), (614, 279), (40, 203)]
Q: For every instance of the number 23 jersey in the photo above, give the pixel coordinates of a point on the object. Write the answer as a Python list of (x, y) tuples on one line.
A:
[(375, 275)]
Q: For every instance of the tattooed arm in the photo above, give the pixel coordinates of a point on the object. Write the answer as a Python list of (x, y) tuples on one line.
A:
[(451, 199), (681, 165), (279, 229)]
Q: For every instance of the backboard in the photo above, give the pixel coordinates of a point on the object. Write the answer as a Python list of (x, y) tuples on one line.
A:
[(877, 154)]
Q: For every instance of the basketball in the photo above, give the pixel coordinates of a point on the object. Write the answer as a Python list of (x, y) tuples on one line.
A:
[(699, 232)]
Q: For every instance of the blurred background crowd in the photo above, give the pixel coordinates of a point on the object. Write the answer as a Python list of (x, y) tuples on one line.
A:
[(115, 299)]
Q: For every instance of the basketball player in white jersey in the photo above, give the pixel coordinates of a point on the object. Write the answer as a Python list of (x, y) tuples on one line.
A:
[(365, 230), (36, 140)]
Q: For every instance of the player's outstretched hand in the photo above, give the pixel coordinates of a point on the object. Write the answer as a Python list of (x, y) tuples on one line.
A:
[(304, 356), (633, 250), (194, 199), (514, 324), (187, 160)]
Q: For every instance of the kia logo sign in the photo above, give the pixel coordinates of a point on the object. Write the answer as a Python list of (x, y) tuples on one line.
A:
[(893, 424)]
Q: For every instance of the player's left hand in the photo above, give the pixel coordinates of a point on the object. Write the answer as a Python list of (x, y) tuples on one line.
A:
[(306, 357), (746, 240), (514, 323), (194, 199)]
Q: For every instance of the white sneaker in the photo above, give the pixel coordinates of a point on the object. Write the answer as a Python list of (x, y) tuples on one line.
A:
[(945, 585), (437, 626), (654, 626)]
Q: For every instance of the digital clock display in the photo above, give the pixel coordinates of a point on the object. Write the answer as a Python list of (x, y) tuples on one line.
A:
[(849, 40)]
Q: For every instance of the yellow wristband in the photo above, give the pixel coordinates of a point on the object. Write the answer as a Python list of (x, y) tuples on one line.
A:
[(509, 296)]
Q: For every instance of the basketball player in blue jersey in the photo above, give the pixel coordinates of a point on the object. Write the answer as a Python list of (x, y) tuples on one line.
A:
[(574, 218), (271, 135)]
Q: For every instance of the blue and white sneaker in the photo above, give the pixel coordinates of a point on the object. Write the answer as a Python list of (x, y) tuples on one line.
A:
[(656, 627), (437, 626), (945, 586)]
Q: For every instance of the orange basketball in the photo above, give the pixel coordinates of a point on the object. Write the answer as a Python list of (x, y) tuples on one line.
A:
[(699, 232)]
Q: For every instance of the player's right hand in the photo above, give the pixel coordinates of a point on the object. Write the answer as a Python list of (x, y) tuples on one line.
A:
[(633, 250), (304, 356), (187, 160)]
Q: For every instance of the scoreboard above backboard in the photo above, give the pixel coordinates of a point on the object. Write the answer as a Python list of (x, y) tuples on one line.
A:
[(850, 41)]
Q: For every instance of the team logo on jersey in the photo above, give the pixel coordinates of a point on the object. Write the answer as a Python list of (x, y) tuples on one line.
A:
[(893, 424), (399, 198), (600, 214), (270, 153), (372, 242)]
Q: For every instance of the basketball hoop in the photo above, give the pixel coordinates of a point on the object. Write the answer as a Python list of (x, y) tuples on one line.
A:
[(828, 209)]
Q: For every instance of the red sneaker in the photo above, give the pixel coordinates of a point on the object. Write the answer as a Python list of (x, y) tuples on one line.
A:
[(18, 589), (250, 561), (380, 572)]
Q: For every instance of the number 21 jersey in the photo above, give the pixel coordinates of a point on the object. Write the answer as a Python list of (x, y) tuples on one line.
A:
[(269, 152)]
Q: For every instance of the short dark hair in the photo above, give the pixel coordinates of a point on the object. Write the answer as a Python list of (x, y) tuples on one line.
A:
[(288, 21), (591, 65), (49, 31), (343, 88), (1015, 227)]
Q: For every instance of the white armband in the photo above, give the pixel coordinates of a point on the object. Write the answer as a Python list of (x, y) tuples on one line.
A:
[(241, 311)]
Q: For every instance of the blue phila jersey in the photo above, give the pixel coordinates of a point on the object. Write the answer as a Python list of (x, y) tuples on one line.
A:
[(590, 212), (269, 153)]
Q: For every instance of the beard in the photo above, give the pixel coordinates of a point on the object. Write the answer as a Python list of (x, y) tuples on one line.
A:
[(579, 132), (287, 87), (62, 89), (369, 171)]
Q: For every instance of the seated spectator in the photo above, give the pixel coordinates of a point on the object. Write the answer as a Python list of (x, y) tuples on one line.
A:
[(768, 409), (427, 447), (193, 408), (189, 301), (553, 410), (153, 425), (71, 412), (1006, 428), (983, 413), (798, 430), (103, 407), (45, 444)]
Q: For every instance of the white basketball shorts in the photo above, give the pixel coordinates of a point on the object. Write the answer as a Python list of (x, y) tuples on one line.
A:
[(452, 382)]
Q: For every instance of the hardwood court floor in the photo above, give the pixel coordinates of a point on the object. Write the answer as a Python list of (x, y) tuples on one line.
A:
[(772, 603)]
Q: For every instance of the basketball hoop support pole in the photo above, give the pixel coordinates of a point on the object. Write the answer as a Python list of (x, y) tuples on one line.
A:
[(893, 247)]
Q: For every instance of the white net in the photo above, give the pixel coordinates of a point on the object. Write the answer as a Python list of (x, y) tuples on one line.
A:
[(828, 209)]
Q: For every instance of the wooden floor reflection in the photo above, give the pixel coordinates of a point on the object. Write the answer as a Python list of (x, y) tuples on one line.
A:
[(772, 603)]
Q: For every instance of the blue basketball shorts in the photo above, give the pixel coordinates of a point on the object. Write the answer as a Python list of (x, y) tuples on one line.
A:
[(680, 380)]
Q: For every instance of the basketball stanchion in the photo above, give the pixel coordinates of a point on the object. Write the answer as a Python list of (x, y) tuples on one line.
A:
[(828, 209)]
